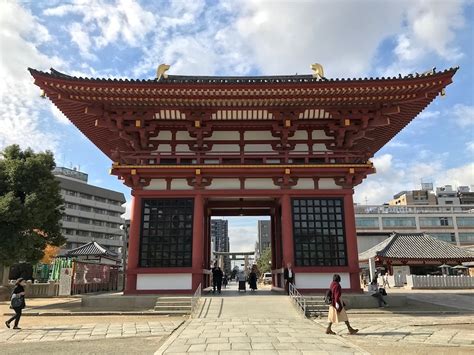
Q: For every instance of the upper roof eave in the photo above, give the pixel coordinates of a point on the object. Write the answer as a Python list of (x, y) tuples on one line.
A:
[(274, 79)]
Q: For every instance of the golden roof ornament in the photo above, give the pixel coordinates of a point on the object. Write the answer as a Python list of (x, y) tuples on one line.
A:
[(318, 71), (161, 71)]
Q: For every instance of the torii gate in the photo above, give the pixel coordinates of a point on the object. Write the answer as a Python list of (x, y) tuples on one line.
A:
[(243, 255)]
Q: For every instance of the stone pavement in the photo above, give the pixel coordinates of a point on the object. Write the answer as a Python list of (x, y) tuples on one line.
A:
[(86, 332), (453, 331), (253, 324)]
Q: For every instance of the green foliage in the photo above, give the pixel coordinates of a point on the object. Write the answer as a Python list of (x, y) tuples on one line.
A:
[(30, 205), (263, 263)]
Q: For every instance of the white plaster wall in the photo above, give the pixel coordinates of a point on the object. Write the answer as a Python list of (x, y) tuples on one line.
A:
[(164, 281), (225, 136), (231, 184), (319, 148), (264, 184), (183, 135), (304, 183), (299, 135), (301, 148), (258, 148), (182, 148), (163, 135), (319, 280), (156, 184), (180, 184), (319, 135), (225, 148), (164, 148), (258, 135), (328, 183)]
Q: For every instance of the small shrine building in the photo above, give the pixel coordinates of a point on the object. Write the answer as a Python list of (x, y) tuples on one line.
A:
[(289, 147)]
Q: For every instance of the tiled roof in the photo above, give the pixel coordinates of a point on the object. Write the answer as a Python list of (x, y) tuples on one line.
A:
[(416, 246), (187, 79), (92, 249)]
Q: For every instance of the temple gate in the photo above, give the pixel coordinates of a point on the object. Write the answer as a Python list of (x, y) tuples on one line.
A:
[(290, 147)]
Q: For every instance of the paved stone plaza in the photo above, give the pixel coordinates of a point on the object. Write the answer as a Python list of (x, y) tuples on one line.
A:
[(247, 323)]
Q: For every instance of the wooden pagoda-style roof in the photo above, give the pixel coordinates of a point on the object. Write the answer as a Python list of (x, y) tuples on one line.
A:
[(361, 114), (416, 246)]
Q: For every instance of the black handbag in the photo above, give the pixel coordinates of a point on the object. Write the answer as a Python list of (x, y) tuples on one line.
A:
[(16, 302)]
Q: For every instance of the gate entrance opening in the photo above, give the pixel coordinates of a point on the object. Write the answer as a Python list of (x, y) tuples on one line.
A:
[(292, 147)]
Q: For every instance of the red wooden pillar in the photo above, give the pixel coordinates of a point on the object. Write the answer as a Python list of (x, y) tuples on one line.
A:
[(198, 240), (287, 230), (351, 242), (133, 245)]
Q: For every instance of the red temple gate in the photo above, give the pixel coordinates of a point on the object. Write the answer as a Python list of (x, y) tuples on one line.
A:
[(290, 147)]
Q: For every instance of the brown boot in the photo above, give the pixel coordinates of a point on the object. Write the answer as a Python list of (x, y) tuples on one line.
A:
[(328, 330), (353, 331)]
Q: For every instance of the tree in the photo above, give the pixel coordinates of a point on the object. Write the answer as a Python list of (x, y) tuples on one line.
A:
[(264, 262), (30, 205)]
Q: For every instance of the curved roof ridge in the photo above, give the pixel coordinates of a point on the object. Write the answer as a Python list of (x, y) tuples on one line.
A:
[(245, 79)]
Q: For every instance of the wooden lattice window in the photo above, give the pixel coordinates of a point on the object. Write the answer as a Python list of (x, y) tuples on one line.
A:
[(318, 232), (166, 233)]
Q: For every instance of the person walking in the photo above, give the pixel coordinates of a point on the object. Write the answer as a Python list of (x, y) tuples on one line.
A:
[(253, 278), (385, 280), (17, 303), (216, 279), (225, 281), (377, 292), (289, 277), (337, 313)]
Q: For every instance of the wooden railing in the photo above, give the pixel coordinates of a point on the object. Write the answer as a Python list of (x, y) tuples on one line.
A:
[(195, 300), (297, 298), (253, 157)]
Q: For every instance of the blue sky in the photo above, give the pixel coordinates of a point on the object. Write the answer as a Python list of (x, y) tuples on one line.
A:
[(350, 39)]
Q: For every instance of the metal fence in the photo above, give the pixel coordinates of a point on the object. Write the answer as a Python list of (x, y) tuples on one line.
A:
[(297, 298), (195, 300), (439, 282)]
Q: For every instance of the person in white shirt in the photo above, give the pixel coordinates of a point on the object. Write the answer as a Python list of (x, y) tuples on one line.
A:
[(289, 276)]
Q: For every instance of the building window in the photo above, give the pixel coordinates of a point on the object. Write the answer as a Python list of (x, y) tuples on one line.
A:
[(85, 208), (447, 237), (436, 221), (83, 220), (391, 222), (86, 196), (100, 199), (466, 237), (167, 233), (82, 233), (363, 222), (318, 232), (465, 221)]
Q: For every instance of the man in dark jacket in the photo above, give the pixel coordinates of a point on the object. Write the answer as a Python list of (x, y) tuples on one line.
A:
[(216, 278), (289, 276)]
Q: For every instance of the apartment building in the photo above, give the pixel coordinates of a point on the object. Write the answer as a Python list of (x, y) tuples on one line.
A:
[(264, 236), (91, 213), (451, 223)]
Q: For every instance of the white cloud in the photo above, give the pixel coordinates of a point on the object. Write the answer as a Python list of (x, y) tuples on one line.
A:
[(21, 109), (470, 147), (429, 28), (104, 23), (464, 115), (394, 176)]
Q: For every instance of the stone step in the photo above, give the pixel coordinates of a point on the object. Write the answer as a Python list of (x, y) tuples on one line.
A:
[(178, 312)]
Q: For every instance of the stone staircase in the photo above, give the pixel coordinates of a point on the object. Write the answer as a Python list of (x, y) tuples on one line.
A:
[(177, 306), (315, 306)]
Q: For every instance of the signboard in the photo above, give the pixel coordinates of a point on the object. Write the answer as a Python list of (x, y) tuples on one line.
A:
[(65, 281), (91, 273)]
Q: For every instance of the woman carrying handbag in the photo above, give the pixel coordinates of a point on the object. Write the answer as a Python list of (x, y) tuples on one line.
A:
[(17, 302)]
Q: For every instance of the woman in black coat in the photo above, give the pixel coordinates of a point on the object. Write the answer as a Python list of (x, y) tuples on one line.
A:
[(17, 302)]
